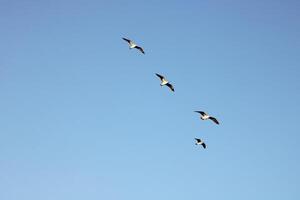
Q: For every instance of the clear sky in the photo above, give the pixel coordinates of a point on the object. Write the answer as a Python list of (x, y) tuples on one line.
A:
[(84, 117)]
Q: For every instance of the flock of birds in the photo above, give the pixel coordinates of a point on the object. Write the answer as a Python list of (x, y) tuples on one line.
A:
[(165, 82)]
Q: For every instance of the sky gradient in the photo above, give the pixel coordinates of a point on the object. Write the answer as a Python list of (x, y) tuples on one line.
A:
[(84, 117)]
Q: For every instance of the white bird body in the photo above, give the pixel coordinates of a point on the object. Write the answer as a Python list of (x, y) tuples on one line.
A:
[(205, 117), (132, 45), (200, 142), (164, 82)]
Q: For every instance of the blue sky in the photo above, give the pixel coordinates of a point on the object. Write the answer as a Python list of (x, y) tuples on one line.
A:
[(84, 117)]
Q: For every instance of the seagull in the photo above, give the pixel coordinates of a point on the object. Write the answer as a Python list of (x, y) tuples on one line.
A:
[(133, 45), (206, 116), (200, 142), (165, 82)]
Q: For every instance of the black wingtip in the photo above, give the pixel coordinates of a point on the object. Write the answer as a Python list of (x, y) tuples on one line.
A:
[(158, 75), (127, 40)]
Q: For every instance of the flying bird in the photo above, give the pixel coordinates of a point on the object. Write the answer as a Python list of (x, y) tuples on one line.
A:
[(164, 81), (200, 142), (133, 45), (205, 116)]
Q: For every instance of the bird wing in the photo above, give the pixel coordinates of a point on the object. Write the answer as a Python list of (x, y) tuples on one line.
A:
[(214, 120), (204, 145), (140, 48), (160, 76), (198, 140), (201, 112), (170, 86), (127, 40)]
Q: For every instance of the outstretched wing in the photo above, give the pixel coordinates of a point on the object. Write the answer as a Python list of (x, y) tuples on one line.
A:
[(160, 76), (170, 86), (127, 40), (204, 145), (197, 140), (214, 120), (140, 48), (201, 112)]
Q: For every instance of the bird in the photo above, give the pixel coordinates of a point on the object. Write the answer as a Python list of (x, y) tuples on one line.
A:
[(200, 142), (164, 81), (205, 116), (133, 45)]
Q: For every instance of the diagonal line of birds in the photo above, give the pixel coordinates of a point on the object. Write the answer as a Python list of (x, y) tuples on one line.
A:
[(165, 82)]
